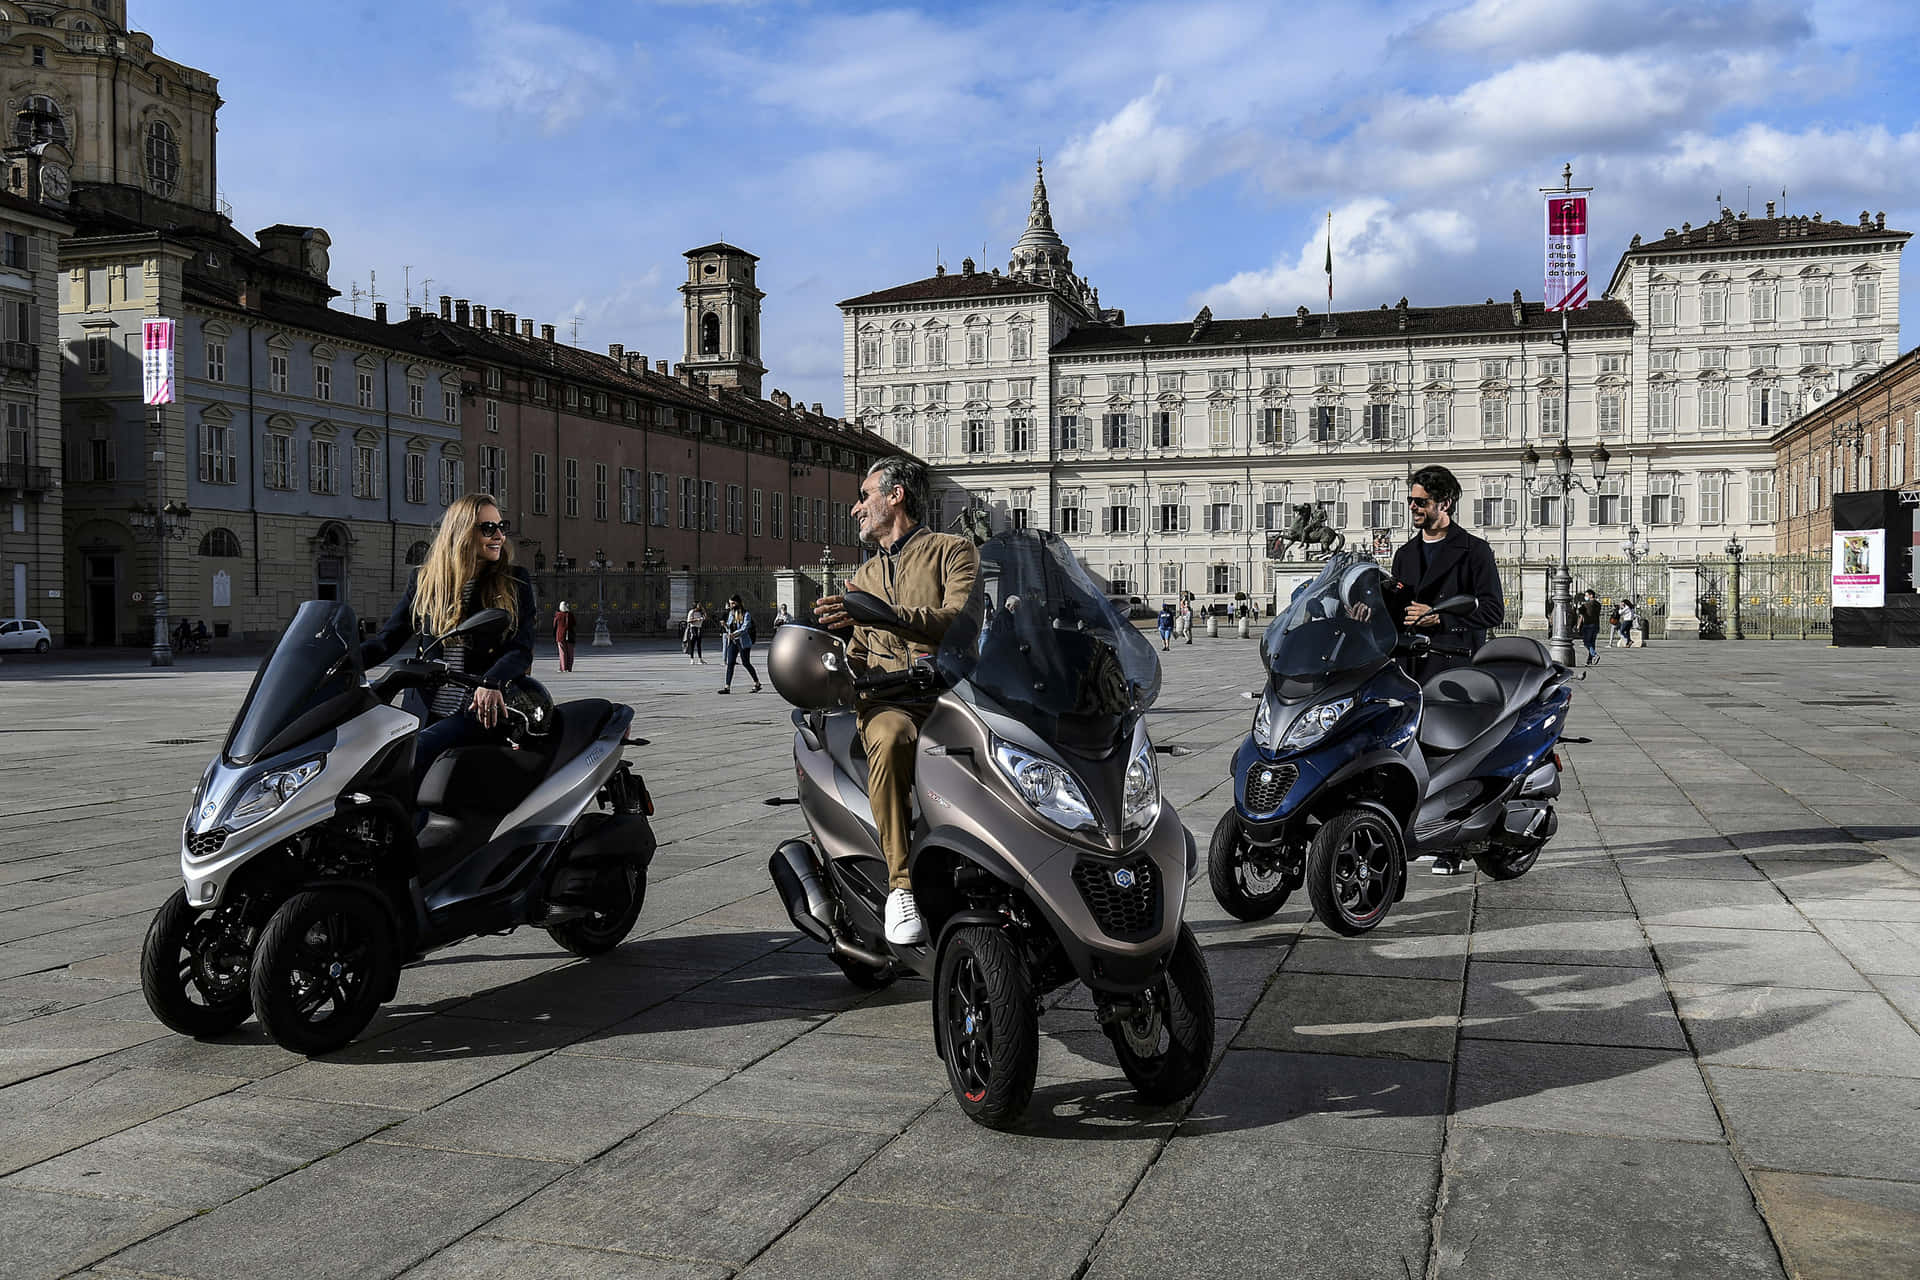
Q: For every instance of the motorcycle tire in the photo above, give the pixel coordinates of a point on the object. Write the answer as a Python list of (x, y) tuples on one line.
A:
[(989, 1029), (324, 964), (1165, 1055), (179, 977), (1506, 863), (1354, 869), (1227, 870), (601, 932)]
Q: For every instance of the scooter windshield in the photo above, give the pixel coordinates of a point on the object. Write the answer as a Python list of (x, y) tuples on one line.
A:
[(1338, 622), (311, 682), (1045, 644)]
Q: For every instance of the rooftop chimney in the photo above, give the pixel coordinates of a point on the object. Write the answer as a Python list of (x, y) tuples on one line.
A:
[(660, 367), (713, 390), (939, 269), (1865, 221), (782, 399), (1769, 208), (816, 410), (462, 313), (1880, 220), (1300, 318), (379, 313), (508, 322), (413, 313), (1519, 310), (615, 350), (446, 306), (526, 330), (1401, 318), (479, 316), (546, 333), (966, 266)]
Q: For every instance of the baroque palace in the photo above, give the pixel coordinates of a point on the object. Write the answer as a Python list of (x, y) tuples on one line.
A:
[(1167, 453)]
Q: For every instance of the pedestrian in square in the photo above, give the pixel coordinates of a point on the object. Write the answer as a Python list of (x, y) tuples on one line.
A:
[(1166, 626), (1590, 624), (1626, 623), (736, 644), (1185, 622), (563, 635), (690, 638), (781, 617)]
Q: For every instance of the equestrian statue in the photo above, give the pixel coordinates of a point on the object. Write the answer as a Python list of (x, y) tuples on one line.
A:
[(1310, 530)]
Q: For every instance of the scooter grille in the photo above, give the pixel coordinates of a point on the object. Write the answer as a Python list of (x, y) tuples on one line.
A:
[(1124, 900), (207, 843), (1268, 784)]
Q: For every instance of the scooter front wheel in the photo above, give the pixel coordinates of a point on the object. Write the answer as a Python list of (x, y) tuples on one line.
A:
[(324, 963), (990, 1034), (193, 970), (1354, 870), (1243, 890), (1166, 1043)]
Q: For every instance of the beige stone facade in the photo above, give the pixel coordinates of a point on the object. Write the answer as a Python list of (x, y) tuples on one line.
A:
[(31, 543)]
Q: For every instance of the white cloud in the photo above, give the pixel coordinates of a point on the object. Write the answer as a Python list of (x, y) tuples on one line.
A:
[(1376, 247), (1134, 151), (537, 71), (1521, 27), (822, 182)]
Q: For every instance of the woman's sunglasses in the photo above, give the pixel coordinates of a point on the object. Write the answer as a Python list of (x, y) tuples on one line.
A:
[(489, 528)]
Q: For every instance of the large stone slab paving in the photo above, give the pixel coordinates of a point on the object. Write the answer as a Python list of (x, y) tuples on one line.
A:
[(1228, 1208), (371, 1211), (1877, 946), (43, 1117), (1554, 886), (207, 1154), (1382, 954), (46, 1234), (1714, 904), (1376, 1017), (67, 1038), (484, 1257), (1379, 1104), (1570, 1004), (418, 1064), (695, 1187), (1798, 1030), (1858, 1126), (857, 1239), (1752, 957), (1843, 1228), (699, 1033), (1532, 935), (1580, 1088), (864, 1083), (1554, 1206)]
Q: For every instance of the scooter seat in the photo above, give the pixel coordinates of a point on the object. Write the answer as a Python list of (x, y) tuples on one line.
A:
[(1458, 706)]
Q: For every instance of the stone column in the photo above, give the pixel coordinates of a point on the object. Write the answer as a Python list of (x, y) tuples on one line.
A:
[(679, 598), (787, 590), (1683, 605)]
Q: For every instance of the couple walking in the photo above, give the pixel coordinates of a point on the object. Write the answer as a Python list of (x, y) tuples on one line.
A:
[(736, 644)]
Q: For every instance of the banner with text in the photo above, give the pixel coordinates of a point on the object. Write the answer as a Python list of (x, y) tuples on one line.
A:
[(1566, 252), (156, 345), (1860, 568)]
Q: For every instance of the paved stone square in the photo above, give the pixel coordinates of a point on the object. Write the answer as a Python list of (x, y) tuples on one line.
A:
[(1683, 1045)]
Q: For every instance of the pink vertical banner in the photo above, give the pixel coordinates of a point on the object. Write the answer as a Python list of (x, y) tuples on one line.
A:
[(1566, 252), (156, 346)]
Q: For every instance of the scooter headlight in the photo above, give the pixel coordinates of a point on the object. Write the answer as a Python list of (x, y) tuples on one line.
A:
[(1314, 723), (1140, 797), (269, 791), (1050, 789)]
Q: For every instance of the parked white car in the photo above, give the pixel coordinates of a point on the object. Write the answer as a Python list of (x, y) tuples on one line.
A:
[(24, 633)]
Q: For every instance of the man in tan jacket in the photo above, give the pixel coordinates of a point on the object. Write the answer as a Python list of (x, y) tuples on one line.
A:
[(927, 579)]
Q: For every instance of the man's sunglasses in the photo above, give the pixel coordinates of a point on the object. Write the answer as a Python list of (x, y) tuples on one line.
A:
[(488, 528), (1419, 504)]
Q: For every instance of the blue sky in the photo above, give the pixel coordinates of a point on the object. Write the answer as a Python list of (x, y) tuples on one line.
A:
[(555, 158)]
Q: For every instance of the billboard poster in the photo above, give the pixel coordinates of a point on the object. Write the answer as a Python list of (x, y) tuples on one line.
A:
[(1566, 251), (1859, 568), (156, 366)]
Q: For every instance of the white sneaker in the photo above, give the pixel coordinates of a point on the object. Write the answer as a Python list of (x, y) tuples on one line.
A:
[(903, 919)]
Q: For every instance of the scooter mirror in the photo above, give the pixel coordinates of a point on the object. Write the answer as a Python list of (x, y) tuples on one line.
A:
[(1458, 606), (485, 620)]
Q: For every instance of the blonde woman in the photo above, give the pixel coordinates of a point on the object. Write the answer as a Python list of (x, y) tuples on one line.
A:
[(468, 568)]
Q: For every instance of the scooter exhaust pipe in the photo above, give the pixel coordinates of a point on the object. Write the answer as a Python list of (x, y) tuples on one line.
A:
[(796, 874)]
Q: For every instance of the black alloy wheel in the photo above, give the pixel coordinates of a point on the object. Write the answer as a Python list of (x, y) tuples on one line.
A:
[(1165, 1043), (990, 1033), (1243, 888), (324, 964), (607, 928), (194, 967), (1506, 863), (1354, 870)]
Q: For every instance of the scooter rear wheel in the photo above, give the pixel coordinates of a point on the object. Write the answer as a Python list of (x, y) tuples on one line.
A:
[(1354, 870), (1166, 1045), (1244, 891), (602, 931), (989, 1031), (1506, 864), (324, 963), (191, 971)]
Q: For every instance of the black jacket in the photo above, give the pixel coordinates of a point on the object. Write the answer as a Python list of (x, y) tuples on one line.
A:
[(498, 661), (1459, 564)]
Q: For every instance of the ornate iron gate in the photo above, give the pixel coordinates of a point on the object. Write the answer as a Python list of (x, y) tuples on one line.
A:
[(1780, 597)]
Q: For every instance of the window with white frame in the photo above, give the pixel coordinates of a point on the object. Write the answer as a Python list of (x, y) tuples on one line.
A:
[(1379, 371), (1552, 415), (1813, 299), (689, 503), (1326, 496), (366, 470), (363, 382), (570, 486), (1813, 353), (1713, 497), (1493, 417), (1439, 371), (1813, 490), (1326, 423), (1663, 506), (1760, 498), (755, 509), (1069, 437), (1170, 513), (599, 491), (1170, 579), (323, 474), (452, 483), (976, 346), (415, 476), (216, 452), (1020, 514), (736, 509), (1550, 366), (1713, 357), (1712, 399), (1763, 406), (979, 392), (1268, 378), (937, 349), (1222, 513), (869, 352), (493, 471), (216, 362), (1608, 505), (1119, 515), (1439, 417), (1017, 389), (1120, 579), (450, 407), (902, 350), (1666, 300), (977, 435), (1383, 422), (1866, 353), (276, 367), (541, 482), (1609, 411), (1760, 304), (277, 461), (776, 502), (1223, 579), (1220, 426), (1116, 430), (1119, 384), (1020, 434), (1713, 304), (1220, 380), (1613, 364), (1767, 357), (631, 495), (1070, 387), (1661, 399), (1275, 426), (1866, 298), (1384, 504), (416, 398), (1543, 511), (322, 381), (1273, 506), (659, 499), (492, 379), (1494, 509), (1020, 343), (1663, 359), (1326, 375), (1493, 370), (1168, 384), (1164, 427), (1070, 511), (872, 397)]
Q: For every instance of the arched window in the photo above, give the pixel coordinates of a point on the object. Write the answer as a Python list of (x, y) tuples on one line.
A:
[(417, 553), (220, 542), (163, 158), (710, 334), (39, 120)]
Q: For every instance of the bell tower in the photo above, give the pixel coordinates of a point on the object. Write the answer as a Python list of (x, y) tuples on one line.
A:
[(723, 317)]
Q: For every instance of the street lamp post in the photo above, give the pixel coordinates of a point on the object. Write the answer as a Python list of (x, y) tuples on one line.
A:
[(1635, 551), (600, 564), (651, 561), (163, 525), (826, 570), (1561, 485), (1735, 550)]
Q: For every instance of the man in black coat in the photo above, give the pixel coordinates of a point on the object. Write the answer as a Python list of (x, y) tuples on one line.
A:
[(1442, 559)]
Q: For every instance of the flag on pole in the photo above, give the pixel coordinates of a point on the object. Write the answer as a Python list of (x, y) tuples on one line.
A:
[(1566, 251), (1329, 260), (156, 347)]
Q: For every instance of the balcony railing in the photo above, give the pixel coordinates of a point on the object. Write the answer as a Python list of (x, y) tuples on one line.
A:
[(20, 357), (26, 479)]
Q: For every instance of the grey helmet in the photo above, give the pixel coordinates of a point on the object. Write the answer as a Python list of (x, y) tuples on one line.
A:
[(809, 668)]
